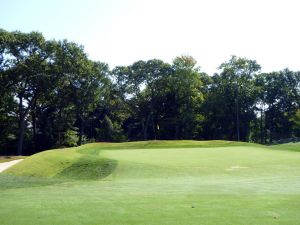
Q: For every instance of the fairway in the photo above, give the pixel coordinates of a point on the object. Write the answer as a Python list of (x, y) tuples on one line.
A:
[(155, 183)]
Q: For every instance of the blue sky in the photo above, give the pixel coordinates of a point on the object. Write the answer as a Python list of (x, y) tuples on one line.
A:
[(120, 32)]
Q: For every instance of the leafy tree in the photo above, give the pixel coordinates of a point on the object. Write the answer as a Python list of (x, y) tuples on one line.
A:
[(186, 90), (295, 119), (137, 85), (27, 68), (280, 96), (82, 79), (52, 95), (230, 104)]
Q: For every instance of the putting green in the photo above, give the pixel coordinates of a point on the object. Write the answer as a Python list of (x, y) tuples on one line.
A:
[(176, 182)]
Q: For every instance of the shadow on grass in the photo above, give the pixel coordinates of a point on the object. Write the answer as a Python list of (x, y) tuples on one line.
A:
[(89, 168), (86, 168)]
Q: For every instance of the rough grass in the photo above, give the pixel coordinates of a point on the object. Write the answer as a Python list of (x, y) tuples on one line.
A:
[(169, 183)]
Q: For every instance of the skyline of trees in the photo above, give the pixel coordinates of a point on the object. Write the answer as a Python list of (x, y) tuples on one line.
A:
[(53, 95)]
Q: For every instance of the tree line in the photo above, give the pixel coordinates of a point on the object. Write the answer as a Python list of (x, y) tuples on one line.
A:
[(53, 95)]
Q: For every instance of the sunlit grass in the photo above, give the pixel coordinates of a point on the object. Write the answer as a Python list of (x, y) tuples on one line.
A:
[(172, 183)]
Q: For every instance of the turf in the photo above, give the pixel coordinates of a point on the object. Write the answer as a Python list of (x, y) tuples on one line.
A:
[(179, 182), (289, 146)]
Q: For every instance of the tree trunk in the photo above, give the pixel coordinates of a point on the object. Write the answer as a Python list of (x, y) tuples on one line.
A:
[(261, 126), (237, 114), (271, 124), (151, 113), (153, 127), (177, 132), (33, 115), (21, 126), (146, 128), (81, 130), (23, 112)]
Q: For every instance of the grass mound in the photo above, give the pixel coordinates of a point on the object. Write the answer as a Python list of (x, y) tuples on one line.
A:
[(68, 164), (44, 164), (89, 168), (95, 148), (161, 182), (288, 146), (87, 162)]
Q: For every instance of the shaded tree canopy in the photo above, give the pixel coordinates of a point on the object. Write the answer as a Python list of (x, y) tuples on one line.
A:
[(53, 95)]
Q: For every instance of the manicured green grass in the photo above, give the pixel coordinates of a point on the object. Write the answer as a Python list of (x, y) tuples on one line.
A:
[(289, 146), (176, 183)]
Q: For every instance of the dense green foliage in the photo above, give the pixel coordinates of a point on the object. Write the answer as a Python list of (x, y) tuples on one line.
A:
[(155, 182), (52, 95)]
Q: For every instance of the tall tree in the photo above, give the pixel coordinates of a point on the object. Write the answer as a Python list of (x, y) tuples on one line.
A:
[(29, 56), (230, 104), (138, 87), (279, 93), (187, 89), (83, 81)]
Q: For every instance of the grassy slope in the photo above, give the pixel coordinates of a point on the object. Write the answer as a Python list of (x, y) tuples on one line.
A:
[(181, 182), (61, 163), (289, 146)]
